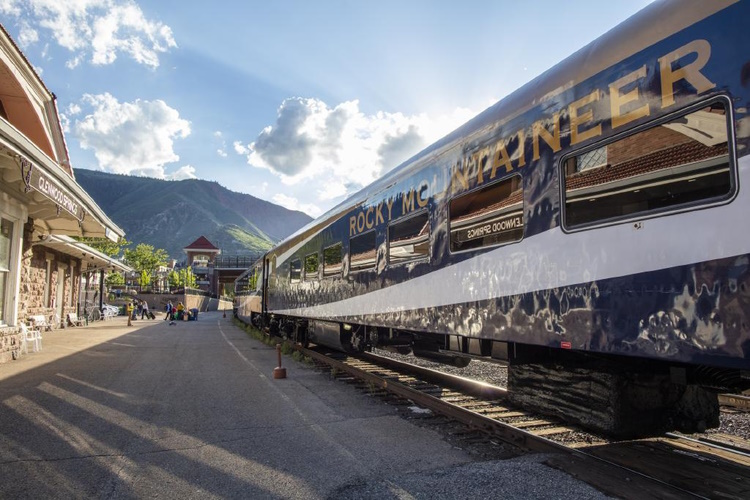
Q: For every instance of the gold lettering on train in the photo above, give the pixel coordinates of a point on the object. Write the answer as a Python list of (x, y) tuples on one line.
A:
[(390, 206), (539, 131), (370, 217), (379, 214), (689, 72), (578, 120), (626, 104), (618, 99), (500, 159), (424, 188), (479, 160)]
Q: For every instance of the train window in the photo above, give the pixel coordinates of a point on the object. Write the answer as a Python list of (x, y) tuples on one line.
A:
[(295, 271), (332, 260), (409, 239), (311, 266), (676, 163), (492, 215), (362, 252)]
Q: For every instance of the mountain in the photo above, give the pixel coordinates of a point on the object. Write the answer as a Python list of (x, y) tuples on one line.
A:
[(173, 214)]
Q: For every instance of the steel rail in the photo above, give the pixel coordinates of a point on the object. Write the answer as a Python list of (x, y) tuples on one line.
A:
[(506, 432), (735, 401)]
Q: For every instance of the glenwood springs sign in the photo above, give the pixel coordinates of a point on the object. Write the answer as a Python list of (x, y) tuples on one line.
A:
[(35, 178)]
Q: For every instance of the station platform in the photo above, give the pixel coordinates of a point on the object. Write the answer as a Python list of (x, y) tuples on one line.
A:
[(191, 410)]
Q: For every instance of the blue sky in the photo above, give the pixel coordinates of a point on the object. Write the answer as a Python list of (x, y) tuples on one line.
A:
[(297, 102)]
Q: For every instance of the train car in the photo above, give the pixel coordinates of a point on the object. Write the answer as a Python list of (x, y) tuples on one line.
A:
[(589, 229)]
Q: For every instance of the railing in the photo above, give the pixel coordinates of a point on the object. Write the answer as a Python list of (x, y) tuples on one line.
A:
[(235, 261)]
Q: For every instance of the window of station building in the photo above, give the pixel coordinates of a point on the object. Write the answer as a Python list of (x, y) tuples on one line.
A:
[(295, 271), (6, 237), (673, 164), (492, 215), (312, 263), (332, 260), (362, 252), (409, 238)]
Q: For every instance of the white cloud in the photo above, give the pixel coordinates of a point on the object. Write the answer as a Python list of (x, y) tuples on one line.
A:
[(132, 137), (222, 151), (97, 30), (293, 204), (323, 153), (240, 148), (185, 172), (27, 35)]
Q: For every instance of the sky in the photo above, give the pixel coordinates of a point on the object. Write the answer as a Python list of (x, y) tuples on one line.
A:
[(297, 102)]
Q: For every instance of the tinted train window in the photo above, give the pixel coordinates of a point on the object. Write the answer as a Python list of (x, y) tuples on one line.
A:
[(332, 260), (362, 252), (295, 271), (673, 164), (409, 239), (492, 215), (311, 266)]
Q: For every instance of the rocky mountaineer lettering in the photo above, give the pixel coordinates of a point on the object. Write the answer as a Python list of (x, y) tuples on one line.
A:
[(370, 217), (627, 103)]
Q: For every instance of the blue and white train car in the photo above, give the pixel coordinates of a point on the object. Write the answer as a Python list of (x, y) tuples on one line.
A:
[(597, 217)]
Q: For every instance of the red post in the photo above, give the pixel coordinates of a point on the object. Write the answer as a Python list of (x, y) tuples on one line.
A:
[(279, 372)]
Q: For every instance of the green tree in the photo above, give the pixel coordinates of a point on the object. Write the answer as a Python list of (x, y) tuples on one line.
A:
[(105, 245), (114, 279), (182, 278), (173, 279), (187, 278), (145, 260)]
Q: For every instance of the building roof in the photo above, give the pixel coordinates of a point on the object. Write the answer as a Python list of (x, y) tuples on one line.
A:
[(91, 259), (202, 243), (34, 162)]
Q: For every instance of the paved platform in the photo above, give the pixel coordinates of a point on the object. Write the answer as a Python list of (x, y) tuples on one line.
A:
[(192, 411)]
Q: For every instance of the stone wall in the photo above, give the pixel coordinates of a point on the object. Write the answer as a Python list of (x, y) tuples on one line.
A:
[(32, 298), (9, 344)]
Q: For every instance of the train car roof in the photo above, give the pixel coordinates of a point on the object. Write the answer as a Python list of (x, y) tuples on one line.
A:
[(652, 24)]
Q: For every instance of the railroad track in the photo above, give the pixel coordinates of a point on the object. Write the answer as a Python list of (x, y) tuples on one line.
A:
[(735, 401), (669, 466)]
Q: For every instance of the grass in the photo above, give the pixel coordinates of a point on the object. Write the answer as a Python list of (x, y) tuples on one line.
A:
[(286, 347)]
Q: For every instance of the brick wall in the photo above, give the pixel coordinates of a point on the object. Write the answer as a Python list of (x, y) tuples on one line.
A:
[(641, 144)]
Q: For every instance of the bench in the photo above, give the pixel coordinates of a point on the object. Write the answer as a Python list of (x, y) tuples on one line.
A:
[(40, 322), (74, 320)]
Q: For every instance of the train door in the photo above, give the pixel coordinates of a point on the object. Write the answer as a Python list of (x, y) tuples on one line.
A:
[(264, 286)]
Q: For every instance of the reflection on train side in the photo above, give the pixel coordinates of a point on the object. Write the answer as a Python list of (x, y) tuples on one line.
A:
[(332, 260), (409, 239), (677, 163), (492, 215), (362, 252)]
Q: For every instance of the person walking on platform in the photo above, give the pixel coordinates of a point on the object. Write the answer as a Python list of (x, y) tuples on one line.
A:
[(129, 312), (144, 310)]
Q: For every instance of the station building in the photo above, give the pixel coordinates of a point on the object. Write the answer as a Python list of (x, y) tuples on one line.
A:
[(41, 207)]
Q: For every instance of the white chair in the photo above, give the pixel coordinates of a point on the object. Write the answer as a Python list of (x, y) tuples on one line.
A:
[(30, 336)]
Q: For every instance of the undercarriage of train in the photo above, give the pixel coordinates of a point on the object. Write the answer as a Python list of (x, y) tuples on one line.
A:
[(616, 395)]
